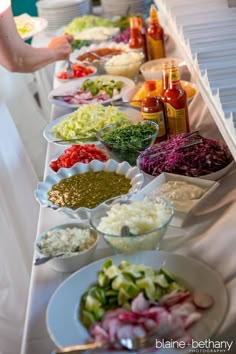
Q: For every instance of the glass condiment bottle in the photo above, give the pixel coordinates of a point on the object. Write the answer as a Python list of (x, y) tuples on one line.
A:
[(175, 98), (143, 32), (155, 36), (152, 108), (164, 79), (136, 39)]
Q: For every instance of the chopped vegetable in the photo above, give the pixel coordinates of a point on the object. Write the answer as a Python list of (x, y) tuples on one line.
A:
[(126, 142), (78, 153), (123, 36), (203, 158), (78, 24), (79, 43), (202, 300), (118, 286), (87, 120), (108, 86), (78, 71)]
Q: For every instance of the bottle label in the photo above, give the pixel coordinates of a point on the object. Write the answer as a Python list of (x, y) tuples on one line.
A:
[(157, 117), (156, 48), (176, 120)]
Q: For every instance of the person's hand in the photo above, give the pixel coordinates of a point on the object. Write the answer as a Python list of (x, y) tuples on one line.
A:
[(62, 46)]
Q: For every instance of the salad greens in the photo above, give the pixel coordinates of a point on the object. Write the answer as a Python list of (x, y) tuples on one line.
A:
[(87, 120), (118, 285), (79, 43), (109, 86), (78, 24)]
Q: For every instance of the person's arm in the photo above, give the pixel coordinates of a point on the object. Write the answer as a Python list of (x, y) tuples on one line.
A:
[(18, 56)]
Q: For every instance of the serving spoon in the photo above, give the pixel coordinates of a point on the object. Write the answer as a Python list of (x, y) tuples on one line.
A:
[(42, 260)]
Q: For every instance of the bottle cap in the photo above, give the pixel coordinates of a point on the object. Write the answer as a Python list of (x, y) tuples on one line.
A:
[(153, 12), (150, 85)]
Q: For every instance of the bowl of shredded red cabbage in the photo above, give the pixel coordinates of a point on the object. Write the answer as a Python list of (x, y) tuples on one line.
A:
[(189, 155)]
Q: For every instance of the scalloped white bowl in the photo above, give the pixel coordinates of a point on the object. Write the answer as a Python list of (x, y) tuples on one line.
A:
[(123, 168)]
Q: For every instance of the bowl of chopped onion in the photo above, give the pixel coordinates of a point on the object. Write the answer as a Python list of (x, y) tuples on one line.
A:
[(126, 64), (132, 224)]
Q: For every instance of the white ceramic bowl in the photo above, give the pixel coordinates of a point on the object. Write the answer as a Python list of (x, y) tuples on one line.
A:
[(152, 70), (123, 168), (74, 261)]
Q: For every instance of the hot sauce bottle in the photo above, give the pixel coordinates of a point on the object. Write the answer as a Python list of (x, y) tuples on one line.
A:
[(152, 108), (155, 36), (143, 31), (136, 39), (176, 103), (165, 75)]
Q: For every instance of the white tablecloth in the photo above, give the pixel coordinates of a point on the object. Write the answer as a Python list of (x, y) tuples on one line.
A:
[(208, 236)]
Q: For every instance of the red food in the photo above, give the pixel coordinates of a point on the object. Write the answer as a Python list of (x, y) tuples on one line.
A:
[(78, 153), (202, 300), (203, 158), (79, 71)]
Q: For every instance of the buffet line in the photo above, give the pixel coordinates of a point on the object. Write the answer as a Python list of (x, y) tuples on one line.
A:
[(129, 120)]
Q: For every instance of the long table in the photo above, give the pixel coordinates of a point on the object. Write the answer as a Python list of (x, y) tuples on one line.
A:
[(209, 236)]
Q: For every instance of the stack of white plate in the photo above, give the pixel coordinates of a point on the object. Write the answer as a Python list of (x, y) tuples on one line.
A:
[(59, 13), (111, 8)]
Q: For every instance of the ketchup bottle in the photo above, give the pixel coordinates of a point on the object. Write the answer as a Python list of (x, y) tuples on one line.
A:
[(152, 108), (176, 103), (136, 39), (155, 36)]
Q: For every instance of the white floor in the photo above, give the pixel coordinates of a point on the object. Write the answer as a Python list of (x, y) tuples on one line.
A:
[(22, 155), (17, 91)]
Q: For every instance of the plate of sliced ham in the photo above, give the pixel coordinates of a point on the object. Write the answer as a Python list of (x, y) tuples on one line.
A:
[(192, 312), (97, 89)]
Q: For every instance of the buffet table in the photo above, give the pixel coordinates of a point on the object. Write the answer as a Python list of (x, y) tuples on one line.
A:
[(209, 236)]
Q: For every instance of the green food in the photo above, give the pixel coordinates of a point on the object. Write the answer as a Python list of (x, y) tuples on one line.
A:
[(87, 120), (126, 142), (123, 22), (78, 24), (88, 189), (99, 85), (118, 285), (79, 43)]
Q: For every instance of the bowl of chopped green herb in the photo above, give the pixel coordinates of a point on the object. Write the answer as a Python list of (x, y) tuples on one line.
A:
[(126, 142)]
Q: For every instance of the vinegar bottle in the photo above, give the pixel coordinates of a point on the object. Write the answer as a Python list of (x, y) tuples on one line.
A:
[(136, 39), (152, 108), (155, 36), (176, 103)]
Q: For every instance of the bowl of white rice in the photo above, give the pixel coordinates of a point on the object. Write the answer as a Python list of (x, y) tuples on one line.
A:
[(74, 242), (132, 225)]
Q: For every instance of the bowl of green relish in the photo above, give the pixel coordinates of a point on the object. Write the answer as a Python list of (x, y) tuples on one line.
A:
[(83, 187)]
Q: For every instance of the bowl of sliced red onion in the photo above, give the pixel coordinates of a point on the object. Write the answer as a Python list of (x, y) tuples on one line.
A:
[(187, 154)]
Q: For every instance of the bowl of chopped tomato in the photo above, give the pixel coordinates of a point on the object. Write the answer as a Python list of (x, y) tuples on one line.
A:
[(78, 70), (79, 153)]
